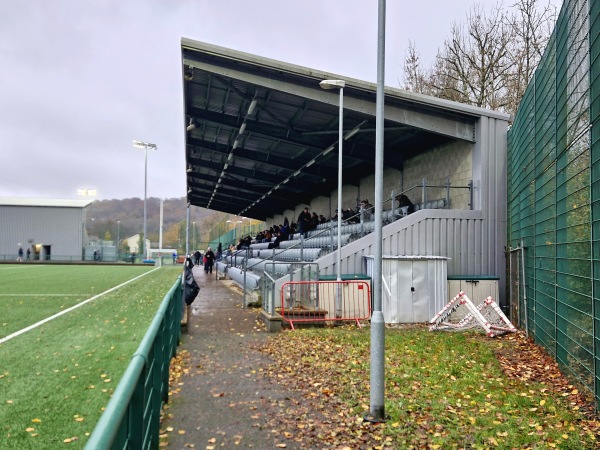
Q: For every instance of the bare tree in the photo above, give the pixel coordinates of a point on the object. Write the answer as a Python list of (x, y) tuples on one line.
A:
[(531, 27), (488, 60), (415, 78), (476, 59)]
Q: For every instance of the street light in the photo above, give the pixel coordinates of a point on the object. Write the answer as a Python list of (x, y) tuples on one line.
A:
[(194, 237), (338, 84), (146, 146), (377, 375), (118, 238)]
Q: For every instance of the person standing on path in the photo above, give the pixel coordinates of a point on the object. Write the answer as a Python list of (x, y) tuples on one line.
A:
[(209, 256), (20, 254)]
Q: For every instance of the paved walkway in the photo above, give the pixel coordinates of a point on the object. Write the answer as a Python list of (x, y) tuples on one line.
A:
[(223, 401)]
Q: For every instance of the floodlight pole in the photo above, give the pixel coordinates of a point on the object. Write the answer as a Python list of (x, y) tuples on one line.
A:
[(377, 383), (118, 238), (145, 146), (338, 84)]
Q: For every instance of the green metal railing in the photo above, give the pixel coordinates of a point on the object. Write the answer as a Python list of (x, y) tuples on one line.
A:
[(554, 197), (131, 418)]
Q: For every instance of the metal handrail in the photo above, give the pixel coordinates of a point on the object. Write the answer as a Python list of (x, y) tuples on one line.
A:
[(132, 417)]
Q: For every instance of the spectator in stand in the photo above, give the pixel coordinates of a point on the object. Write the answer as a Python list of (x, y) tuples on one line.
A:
[(282, 235), (347, 214), (314, 221), (405, 204), (284, 231), (322, 219), (304, 222), (366, 210), (268, 235)]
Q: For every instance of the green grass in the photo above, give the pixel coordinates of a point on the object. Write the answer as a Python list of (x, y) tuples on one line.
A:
[(56, 379), (443, 390), (31, 293)]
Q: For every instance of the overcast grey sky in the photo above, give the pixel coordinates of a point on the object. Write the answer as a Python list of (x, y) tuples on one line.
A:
[(79, 80)]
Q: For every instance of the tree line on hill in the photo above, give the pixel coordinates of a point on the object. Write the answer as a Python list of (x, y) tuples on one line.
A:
[(110, 220)]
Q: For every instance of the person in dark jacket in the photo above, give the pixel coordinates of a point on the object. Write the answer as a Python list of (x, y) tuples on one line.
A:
[(304, 221), (209, 256), (404, 201), (314, 221)]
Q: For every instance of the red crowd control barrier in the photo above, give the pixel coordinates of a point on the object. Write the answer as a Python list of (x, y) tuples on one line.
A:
[(325, 301)]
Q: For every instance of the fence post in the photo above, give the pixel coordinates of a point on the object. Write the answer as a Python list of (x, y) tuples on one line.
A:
[(361, 215), (331, 235), (471, 194), (424, 191), (245, 269), (448, 192)]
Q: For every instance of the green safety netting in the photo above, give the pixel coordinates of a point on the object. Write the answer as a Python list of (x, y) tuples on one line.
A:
[(554, 198)]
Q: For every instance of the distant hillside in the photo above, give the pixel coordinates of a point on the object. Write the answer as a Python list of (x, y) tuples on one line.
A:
[(103, 216)]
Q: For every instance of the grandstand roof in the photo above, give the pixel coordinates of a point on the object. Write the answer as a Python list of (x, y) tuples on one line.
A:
[(262, 136)]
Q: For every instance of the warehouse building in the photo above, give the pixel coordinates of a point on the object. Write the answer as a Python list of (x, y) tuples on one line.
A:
[(50, 229)]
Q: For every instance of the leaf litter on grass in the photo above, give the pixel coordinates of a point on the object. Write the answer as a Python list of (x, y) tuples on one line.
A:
[(457, 390)]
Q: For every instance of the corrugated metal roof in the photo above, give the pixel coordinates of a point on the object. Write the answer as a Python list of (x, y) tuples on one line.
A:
[(46, 202)]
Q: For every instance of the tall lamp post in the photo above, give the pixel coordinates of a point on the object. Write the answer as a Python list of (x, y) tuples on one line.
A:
[(146, 146), (377, 375), (118, 238), (194, 236), (338, 84)]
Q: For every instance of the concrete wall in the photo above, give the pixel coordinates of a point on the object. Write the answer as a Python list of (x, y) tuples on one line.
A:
[(453, 161)]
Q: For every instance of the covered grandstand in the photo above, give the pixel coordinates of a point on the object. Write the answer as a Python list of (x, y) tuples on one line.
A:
[(262, 139)]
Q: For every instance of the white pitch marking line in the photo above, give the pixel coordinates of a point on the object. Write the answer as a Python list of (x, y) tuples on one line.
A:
[(48, 319), (24, 266), (42, 295)]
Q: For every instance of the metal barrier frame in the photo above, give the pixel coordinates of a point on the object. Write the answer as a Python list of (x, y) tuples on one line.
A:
[(343, 309), (132, 417)]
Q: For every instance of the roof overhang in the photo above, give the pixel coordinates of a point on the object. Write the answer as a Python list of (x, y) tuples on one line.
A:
[(44, 202), (262, 136)]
